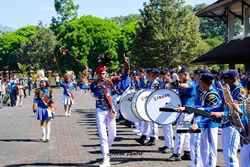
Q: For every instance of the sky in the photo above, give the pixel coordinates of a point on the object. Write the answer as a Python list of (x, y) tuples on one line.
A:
[(18, 13)]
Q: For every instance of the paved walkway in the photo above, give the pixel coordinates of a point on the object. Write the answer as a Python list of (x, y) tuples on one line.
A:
[(74, 140)]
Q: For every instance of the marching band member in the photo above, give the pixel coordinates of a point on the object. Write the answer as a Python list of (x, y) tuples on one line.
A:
[(67, 98), (42, 107), (187, 92), (135, 84), (209, 135), (84, 82), (150, 127), (154, 83), (143, 85), (245, 144), (143, 79), (124, 84), (230, 135), (167, 129), (105, 116), (195, 137)]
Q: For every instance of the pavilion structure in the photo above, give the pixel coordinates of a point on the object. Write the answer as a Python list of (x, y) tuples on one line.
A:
[(237, 49)]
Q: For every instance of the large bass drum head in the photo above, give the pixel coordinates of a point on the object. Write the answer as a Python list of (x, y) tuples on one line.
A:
[(126, 109), (138, 104), (133, 105), (161, 98)]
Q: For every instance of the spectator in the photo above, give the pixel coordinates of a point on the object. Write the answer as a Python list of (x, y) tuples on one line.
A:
[(19, 93), (30, 83), (57, 81)]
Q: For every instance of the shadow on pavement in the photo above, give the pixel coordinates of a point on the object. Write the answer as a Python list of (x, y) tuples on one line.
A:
[(116, 152), (20, 140), (113, 145), (51, 164)]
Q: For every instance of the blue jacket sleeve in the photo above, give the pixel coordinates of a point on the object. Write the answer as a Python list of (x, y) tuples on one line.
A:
[(202, 123)]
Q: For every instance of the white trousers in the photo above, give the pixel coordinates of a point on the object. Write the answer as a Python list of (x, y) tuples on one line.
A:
[(195, 153), (19, 100), (137, 125), (230, 143), (209, 142), (182, 139), (150, 128), (104, 123), (146, 128), (141, 126), (168, 135), (245, 155)]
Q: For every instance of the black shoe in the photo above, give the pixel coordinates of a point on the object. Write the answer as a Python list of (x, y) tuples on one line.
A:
[(167, 150), (119, 119), (162, 148), (186, 156), (151, 142), (173, 157), (128, 123), (141, 140)]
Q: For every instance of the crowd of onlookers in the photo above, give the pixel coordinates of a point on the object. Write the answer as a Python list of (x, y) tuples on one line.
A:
[(14, 90)]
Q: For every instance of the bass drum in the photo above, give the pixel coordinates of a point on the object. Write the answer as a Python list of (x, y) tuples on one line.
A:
[(161, 98), (127, 91), (138, 104), (125, 107)]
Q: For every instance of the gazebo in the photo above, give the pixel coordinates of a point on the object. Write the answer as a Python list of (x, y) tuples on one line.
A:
[(237, 49)]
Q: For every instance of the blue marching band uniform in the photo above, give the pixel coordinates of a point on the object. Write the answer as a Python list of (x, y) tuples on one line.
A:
[(200, 148), (204, 92)]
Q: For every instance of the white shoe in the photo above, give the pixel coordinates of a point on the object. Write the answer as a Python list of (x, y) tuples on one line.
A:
[(69, 114), (44, 138), (139, 134), (105, 164), (66, 114), (136, 130)]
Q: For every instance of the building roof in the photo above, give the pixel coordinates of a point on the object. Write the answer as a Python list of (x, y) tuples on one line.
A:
[(233, 52), (221, 7)]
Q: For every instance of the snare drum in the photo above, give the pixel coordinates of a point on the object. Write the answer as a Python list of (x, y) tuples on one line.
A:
[(125, 107), (138, 104), (161, 98)]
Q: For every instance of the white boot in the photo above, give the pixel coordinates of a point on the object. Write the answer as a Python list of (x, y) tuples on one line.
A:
[(44, 134), (48, 133), (69, 114), (66, 113)]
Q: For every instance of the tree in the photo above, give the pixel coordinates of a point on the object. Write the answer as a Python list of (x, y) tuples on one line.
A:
[(66, 11), (213, 42), (9, 49), (26, 31), (92, 40), (23, 68), (126, 40), (39, 49), (167, 35), (125, 20)]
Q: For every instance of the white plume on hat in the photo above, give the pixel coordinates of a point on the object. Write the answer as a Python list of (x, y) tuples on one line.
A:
[(44, 79), (41, 75)]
